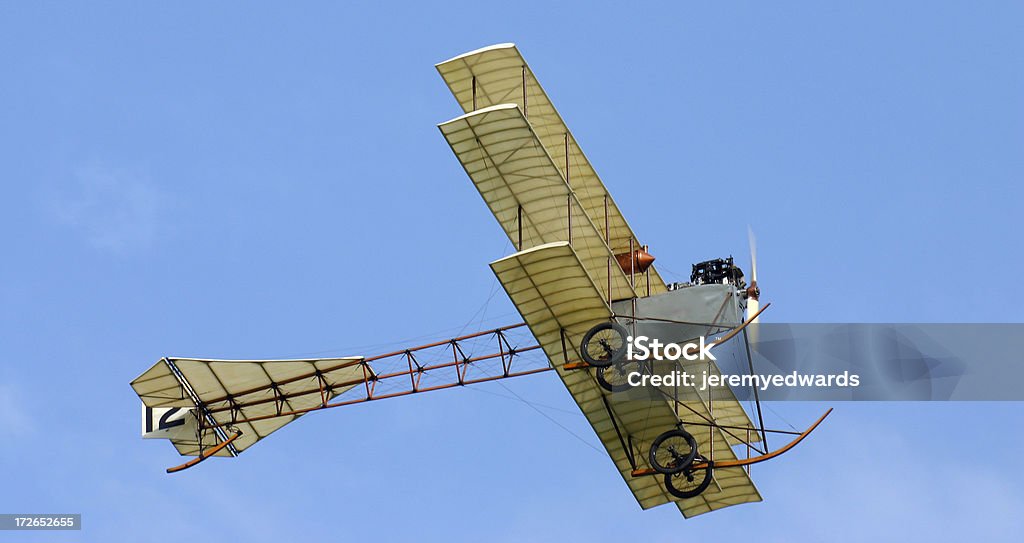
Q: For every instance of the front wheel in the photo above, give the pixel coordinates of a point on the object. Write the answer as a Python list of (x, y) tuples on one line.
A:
[(688, 483), (672, 451), (604, 344)]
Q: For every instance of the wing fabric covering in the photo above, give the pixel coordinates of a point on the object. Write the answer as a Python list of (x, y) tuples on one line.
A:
[(558, 300), (498, 75), (224, 391), (517, 179)]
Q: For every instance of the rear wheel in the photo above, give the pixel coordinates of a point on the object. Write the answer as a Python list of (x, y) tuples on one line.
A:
[(672, 451), (615, 377), (688, 483)]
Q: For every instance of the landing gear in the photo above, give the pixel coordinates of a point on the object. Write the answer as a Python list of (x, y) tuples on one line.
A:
[(672, 451), (615, 378), (689, 482), (674, 454), (604, 344)]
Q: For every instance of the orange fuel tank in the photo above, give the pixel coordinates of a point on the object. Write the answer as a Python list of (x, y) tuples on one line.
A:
[(641, 260)]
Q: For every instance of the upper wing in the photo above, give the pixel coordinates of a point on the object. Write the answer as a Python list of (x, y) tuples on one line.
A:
[(559, 301), (231, 392), (498, 75), (526, 192)]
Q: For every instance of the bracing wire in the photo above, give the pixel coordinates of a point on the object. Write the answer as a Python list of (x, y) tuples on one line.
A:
[(555, 422)]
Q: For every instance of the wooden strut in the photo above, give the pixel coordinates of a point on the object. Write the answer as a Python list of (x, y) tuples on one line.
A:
[(205, 454), (747, 461), (740, 328), (364, 363)]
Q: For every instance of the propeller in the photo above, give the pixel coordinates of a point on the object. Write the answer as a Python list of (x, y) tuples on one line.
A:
[(753, 292)]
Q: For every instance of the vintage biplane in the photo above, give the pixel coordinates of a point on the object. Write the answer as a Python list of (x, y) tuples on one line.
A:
[(581, 280)]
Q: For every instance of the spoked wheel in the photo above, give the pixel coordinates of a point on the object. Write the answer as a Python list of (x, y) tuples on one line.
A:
[(672, 451), (614, 378), (604, 344), (689, 483)]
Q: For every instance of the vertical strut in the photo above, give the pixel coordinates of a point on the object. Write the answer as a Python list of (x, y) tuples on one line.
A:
[(748, 450), (711, 415), (524, 92), (412, 378), (501, 350), (568, 214), (565, 352), (519, 221), (568, 202), (632, 284), (366, 381), (757, 400), (320, 382), (608, 241), (632, 264), (567, 161), (647, 274), (455, 357)]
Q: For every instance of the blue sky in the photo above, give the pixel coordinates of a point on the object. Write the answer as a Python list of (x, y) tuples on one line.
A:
[(260, 180)]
